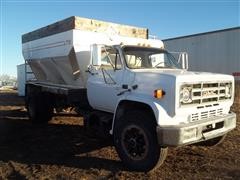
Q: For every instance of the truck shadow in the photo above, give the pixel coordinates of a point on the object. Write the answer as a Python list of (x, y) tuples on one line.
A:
[(52, 144), (11, 99)]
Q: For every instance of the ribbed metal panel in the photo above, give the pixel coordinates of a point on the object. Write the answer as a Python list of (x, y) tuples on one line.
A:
[(217, 51)]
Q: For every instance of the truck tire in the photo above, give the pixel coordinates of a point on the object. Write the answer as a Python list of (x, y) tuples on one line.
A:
[(212, 142), (135, 139), (40, 109)]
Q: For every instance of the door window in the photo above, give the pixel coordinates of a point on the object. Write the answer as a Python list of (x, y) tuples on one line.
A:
[(110, 58)]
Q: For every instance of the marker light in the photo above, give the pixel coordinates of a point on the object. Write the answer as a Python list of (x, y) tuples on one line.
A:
[(159, 93)]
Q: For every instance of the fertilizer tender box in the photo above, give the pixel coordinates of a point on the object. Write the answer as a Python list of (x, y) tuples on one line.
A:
[(128, 86)]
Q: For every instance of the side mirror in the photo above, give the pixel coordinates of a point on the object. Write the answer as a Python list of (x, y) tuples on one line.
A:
[(184, 60), (96, 54)]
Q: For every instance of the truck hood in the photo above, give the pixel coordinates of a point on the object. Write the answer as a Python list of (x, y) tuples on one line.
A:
[(182, 75), (170, 81)]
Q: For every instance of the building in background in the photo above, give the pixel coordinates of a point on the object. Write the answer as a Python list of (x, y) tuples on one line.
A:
[(216, 51)]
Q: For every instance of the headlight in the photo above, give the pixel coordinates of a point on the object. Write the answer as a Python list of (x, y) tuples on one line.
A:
[(186, 95), (228, 91)]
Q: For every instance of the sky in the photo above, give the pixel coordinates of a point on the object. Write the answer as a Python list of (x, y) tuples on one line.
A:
[(163, 18)]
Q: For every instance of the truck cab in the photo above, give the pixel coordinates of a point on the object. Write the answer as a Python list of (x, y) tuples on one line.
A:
[(184, 107)]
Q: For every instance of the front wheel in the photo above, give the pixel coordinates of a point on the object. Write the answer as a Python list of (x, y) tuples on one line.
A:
[(135, 139)]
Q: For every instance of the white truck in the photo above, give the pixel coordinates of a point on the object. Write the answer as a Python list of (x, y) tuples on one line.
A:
[(128, 86)]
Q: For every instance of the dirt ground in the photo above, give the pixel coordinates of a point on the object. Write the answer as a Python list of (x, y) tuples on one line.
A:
[(62, 150)]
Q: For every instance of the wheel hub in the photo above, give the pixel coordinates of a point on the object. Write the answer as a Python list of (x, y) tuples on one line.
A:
[(135, 142), (132, 142)]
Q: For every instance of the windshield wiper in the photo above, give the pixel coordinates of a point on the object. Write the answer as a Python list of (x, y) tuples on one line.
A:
[(166, 66)]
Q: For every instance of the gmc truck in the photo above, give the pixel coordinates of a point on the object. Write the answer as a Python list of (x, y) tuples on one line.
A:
[(127, 86)]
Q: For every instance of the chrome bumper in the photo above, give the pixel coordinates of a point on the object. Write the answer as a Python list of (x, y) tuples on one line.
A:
[(196, 131)]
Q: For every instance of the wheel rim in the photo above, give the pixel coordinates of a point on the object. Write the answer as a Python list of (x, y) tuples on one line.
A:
[(134, 142)]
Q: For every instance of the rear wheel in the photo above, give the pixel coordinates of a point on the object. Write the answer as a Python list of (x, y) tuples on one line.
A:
[(40, 109), (136, 142)]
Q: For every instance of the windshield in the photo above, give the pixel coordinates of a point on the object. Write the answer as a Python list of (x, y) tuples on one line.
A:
[(145, 58)]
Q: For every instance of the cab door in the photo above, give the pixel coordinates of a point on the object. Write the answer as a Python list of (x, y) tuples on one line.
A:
[(104, 84)]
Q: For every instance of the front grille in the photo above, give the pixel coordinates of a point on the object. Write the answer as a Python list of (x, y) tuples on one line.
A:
[(202, 93), (206, 114)]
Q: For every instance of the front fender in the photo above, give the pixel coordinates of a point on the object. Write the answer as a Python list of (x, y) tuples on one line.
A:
[(144, 99)]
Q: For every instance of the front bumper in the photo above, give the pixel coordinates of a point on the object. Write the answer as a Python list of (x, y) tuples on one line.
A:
[(196, 131)]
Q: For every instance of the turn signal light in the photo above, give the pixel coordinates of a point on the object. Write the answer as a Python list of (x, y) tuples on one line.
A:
[(159, 93)]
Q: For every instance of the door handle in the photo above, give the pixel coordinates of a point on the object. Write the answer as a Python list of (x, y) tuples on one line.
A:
[(121, 93)]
